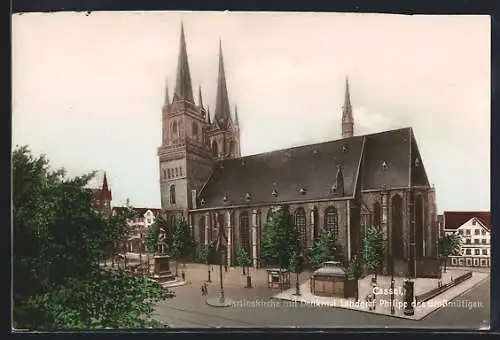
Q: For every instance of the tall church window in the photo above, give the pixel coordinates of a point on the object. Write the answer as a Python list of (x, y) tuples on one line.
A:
[(332, 221), (194, 128), (164, 173), (215, 149), (201, 230), (377, 214), (180, 171), (258, 230), (172, 194), (269, 214), (176, 172), (231, 147), (169, 173), (397, 241), (300, 223), (244, 232), (174, 128)]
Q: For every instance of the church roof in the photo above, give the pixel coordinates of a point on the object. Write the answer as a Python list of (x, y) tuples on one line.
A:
[(308, 173)]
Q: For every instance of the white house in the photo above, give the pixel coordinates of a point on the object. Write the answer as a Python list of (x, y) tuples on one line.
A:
[(475, 230), (138, 226)]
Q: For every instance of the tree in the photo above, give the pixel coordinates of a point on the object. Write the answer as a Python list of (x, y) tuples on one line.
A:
[(373, 250), (297, 266), (354, 272), (448, 245), (278, 238), (182, 243), (206, 255), (325, 249), (242, 259), (58, 242), (153, 234)]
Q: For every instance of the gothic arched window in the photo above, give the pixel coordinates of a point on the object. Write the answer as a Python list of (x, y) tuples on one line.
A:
[(215, 149), (194, 129), (332, 221), (172, 194), (201, 230), (377, 214), (175, 128), (300, 223), (231, 147), (244, 232)]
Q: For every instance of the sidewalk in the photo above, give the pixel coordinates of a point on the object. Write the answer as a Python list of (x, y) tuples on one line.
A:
[(383, 304)]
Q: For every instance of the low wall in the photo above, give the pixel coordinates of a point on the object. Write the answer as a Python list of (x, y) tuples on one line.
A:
[(441, 289)]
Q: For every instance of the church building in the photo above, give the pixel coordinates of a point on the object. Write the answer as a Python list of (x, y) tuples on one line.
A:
[(343, 186)]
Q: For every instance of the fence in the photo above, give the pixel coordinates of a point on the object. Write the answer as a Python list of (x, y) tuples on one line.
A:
[(441, 289)]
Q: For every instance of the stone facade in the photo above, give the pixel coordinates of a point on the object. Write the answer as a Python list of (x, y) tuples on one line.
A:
[(380, 181)]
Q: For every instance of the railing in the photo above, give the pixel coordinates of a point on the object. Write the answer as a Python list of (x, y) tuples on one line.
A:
[(441, 289)]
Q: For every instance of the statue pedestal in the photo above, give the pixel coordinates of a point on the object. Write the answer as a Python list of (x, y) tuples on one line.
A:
[(161, 271)]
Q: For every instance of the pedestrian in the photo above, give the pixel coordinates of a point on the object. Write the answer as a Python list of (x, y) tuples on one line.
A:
[(205, 288), (202, 290)]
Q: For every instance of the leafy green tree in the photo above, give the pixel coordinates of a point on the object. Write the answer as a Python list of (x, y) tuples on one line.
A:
[(449, 245), (354, 272), (242, 259), (206, 255), (278, 238), (325, 249), (153, 235), (373, 250), (182, 243), (58, 242), (296, 266)]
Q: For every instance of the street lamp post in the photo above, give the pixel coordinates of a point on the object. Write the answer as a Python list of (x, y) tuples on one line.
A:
[(275, 199), (220, 249), (412, 264)]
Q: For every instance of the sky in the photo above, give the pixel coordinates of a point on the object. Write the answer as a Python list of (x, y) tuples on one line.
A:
[(88, 89)]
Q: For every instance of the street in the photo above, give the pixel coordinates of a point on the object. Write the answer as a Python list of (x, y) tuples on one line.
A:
[(254, 308)]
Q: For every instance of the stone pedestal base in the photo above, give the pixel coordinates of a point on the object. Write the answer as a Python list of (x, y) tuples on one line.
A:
[(164, 277), (216, 302)]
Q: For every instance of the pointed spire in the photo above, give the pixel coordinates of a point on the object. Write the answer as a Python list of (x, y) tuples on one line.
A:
[(347, 118), (222, 108), (200, 98), (208, 115), (105, 183), (167, 97), (347, 99), (183, 88), (236, 120)]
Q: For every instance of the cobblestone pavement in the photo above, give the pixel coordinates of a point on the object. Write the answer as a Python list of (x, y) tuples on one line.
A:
[(252, 307)]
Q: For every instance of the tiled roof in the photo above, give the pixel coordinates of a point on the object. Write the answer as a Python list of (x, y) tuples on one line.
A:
[(139, 211), (314, 168), (454, 219)]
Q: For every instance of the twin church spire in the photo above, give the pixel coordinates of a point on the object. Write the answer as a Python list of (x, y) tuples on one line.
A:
[(183, 87), (222, 115), (184, 90)]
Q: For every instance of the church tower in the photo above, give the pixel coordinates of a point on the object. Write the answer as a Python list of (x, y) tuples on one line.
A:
[(224, 131), (347, 118), (185, 157)]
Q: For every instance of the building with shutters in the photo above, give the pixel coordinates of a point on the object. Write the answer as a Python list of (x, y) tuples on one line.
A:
[(474, 227), (344, 185)]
